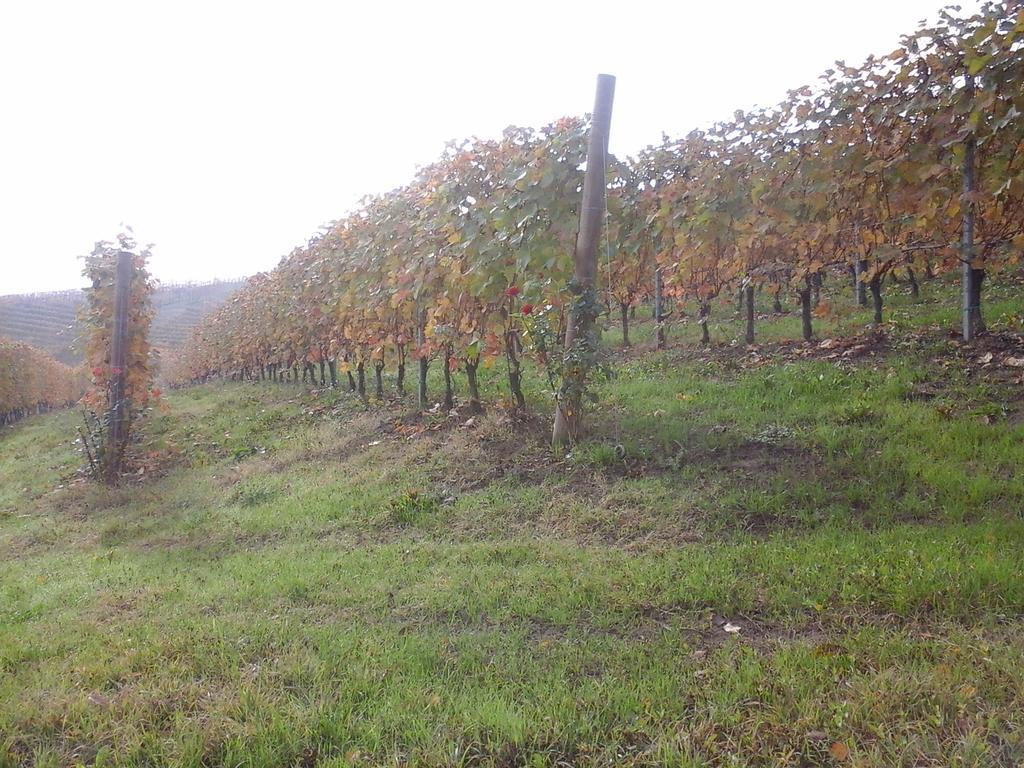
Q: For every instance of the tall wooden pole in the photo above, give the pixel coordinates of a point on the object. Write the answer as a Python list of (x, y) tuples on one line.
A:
[(117, 417), (659, 310), (860, 266), (423, 363), (581, 324), (971, 281), (748, 293)]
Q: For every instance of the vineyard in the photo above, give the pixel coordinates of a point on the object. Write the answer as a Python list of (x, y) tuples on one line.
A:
[(33, 382), (911, 165), (49, 321)]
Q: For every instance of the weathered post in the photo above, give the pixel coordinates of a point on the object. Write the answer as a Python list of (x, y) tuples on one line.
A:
[(972, 277), (860, 266), (117, 417), (581, 326), (421, 341), (659, 310), (748, 291)]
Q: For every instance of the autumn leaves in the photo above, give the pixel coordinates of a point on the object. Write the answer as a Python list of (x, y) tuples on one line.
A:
[(863, 173)]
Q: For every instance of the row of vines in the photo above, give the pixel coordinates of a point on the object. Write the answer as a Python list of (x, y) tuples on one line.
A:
[(913, 162), (33, 382)]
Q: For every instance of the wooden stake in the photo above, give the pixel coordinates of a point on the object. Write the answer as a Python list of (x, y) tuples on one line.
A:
[(748, 292), (659, 310), (421, 381), (971, 280), (567, 410), (117, 418)]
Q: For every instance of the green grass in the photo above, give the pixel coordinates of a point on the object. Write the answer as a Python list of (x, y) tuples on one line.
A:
[(936, 306), (296, 581)]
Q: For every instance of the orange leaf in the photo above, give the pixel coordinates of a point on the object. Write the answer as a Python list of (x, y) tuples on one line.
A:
[(839, 751), (824, 309)]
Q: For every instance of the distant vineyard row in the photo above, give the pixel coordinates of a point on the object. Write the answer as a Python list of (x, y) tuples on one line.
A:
[(49, 321), (32, 382), (912, 162)]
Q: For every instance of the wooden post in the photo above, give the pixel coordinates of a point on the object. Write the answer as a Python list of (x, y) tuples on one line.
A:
[(971, 280), (659, 310), (805, 309), (117, 417), (421, 340), (748, 292), (581, 324), (860, 266)]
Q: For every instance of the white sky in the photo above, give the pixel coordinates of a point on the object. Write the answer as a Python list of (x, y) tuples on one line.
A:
[(227, 132)]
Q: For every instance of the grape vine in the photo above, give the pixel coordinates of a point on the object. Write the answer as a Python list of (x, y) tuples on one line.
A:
[(33, 382), (911, 163), (118, 394)]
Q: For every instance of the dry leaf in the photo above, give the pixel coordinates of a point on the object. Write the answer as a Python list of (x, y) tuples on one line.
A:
[(839, 751)]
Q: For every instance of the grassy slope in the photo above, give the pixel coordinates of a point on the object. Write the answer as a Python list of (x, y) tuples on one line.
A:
[(306, 582)]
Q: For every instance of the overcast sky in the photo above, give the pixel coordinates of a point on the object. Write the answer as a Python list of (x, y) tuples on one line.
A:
[(226, 133)]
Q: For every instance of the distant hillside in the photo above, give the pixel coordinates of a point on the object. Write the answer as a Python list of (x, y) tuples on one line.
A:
[(48, 320)]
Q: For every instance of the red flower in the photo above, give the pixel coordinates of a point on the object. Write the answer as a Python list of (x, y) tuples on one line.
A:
[(116, 371), (512, 291), (527, 309), (156, 393), (97, 371)]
